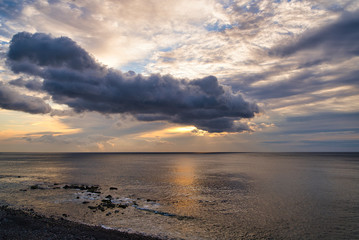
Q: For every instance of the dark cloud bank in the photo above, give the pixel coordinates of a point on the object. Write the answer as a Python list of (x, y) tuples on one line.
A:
[(72, 77), (10, 99), (336, 39)]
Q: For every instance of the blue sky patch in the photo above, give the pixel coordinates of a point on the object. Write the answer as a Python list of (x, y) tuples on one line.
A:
[(218, 27)]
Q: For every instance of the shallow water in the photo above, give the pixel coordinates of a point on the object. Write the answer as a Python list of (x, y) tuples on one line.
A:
[(193, 196)]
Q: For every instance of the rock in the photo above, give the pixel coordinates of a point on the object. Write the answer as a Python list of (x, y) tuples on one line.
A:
[(113, 188), (108, 214), (122, 206), (92, 189), (85, 202), (66, 187), (65, 215), (101, 208), (107, 203), (35, 187)]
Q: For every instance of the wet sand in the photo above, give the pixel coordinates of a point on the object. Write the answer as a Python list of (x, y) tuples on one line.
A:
[(20, 224)]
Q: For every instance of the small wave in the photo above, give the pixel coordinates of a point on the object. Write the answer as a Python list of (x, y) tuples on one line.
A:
[(106, 227), (164, 213)]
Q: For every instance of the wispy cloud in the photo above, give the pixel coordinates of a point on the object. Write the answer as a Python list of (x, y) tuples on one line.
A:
[(334, 41)]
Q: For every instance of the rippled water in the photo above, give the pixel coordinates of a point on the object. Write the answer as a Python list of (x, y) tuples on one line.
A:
[(193, 196)]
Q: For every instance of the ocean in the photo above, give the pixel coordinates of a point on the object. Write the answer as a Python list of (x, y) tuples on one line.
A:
[(191, 195)]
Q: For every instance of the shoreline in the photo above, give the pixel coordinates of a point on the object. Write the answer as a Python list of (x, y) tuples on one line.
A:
[(20, 224)]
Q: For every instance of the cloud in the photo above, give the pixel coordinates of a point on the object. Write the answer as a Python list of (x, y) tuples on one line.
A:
[(241, 45), (72, 77), (10, 99), (34, 85), (311, 131), (31, 52), (316, 71), (11, 9), (340, 37), (108, 28)]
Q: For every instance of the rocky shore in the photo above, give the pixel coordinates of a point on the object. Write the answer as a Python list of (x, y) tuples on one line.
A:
[(26, 224)]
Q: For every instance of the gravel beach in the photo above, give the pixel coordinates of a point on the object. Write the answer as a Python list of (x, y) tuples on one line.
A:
[(19, 224)]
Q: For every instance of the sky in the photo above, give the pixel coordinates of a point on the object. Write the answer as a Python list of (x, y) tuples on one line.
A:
[(179, 75)]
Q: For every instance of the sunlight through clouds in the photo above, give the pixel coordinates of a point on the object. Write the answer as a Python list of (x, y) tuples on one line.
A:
[(15, 125), (291, 58)]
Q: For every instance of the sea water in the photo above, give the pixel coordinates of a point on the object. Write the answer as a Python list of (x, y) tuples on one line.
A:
[(192, 195)]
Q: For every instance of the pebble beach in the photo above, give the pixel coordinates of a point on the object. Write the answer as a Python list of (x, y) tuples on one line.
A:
[(26, 224)]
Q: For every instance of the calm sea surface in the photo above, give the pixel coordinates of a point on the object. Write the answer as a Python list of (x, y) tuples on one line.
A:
[(192, 196)]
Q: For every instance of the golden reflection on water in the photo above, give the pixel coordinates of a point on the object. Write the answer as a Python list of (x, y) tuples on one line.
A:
[(186, 189), (50, 170)]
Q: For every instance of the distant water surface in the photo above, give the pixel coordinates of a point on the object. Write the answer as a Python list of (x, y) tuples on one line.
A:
[(192, 196)]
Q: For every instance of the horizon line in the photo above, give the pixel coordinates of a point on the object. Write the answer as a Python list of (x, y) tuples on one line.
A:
[(176, 152)]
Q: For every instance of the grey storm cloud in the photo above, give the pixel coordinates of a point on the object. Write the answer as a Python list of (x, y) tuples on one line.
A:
[(340, 37), (73, 77), (10, 99), (34, 85)]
